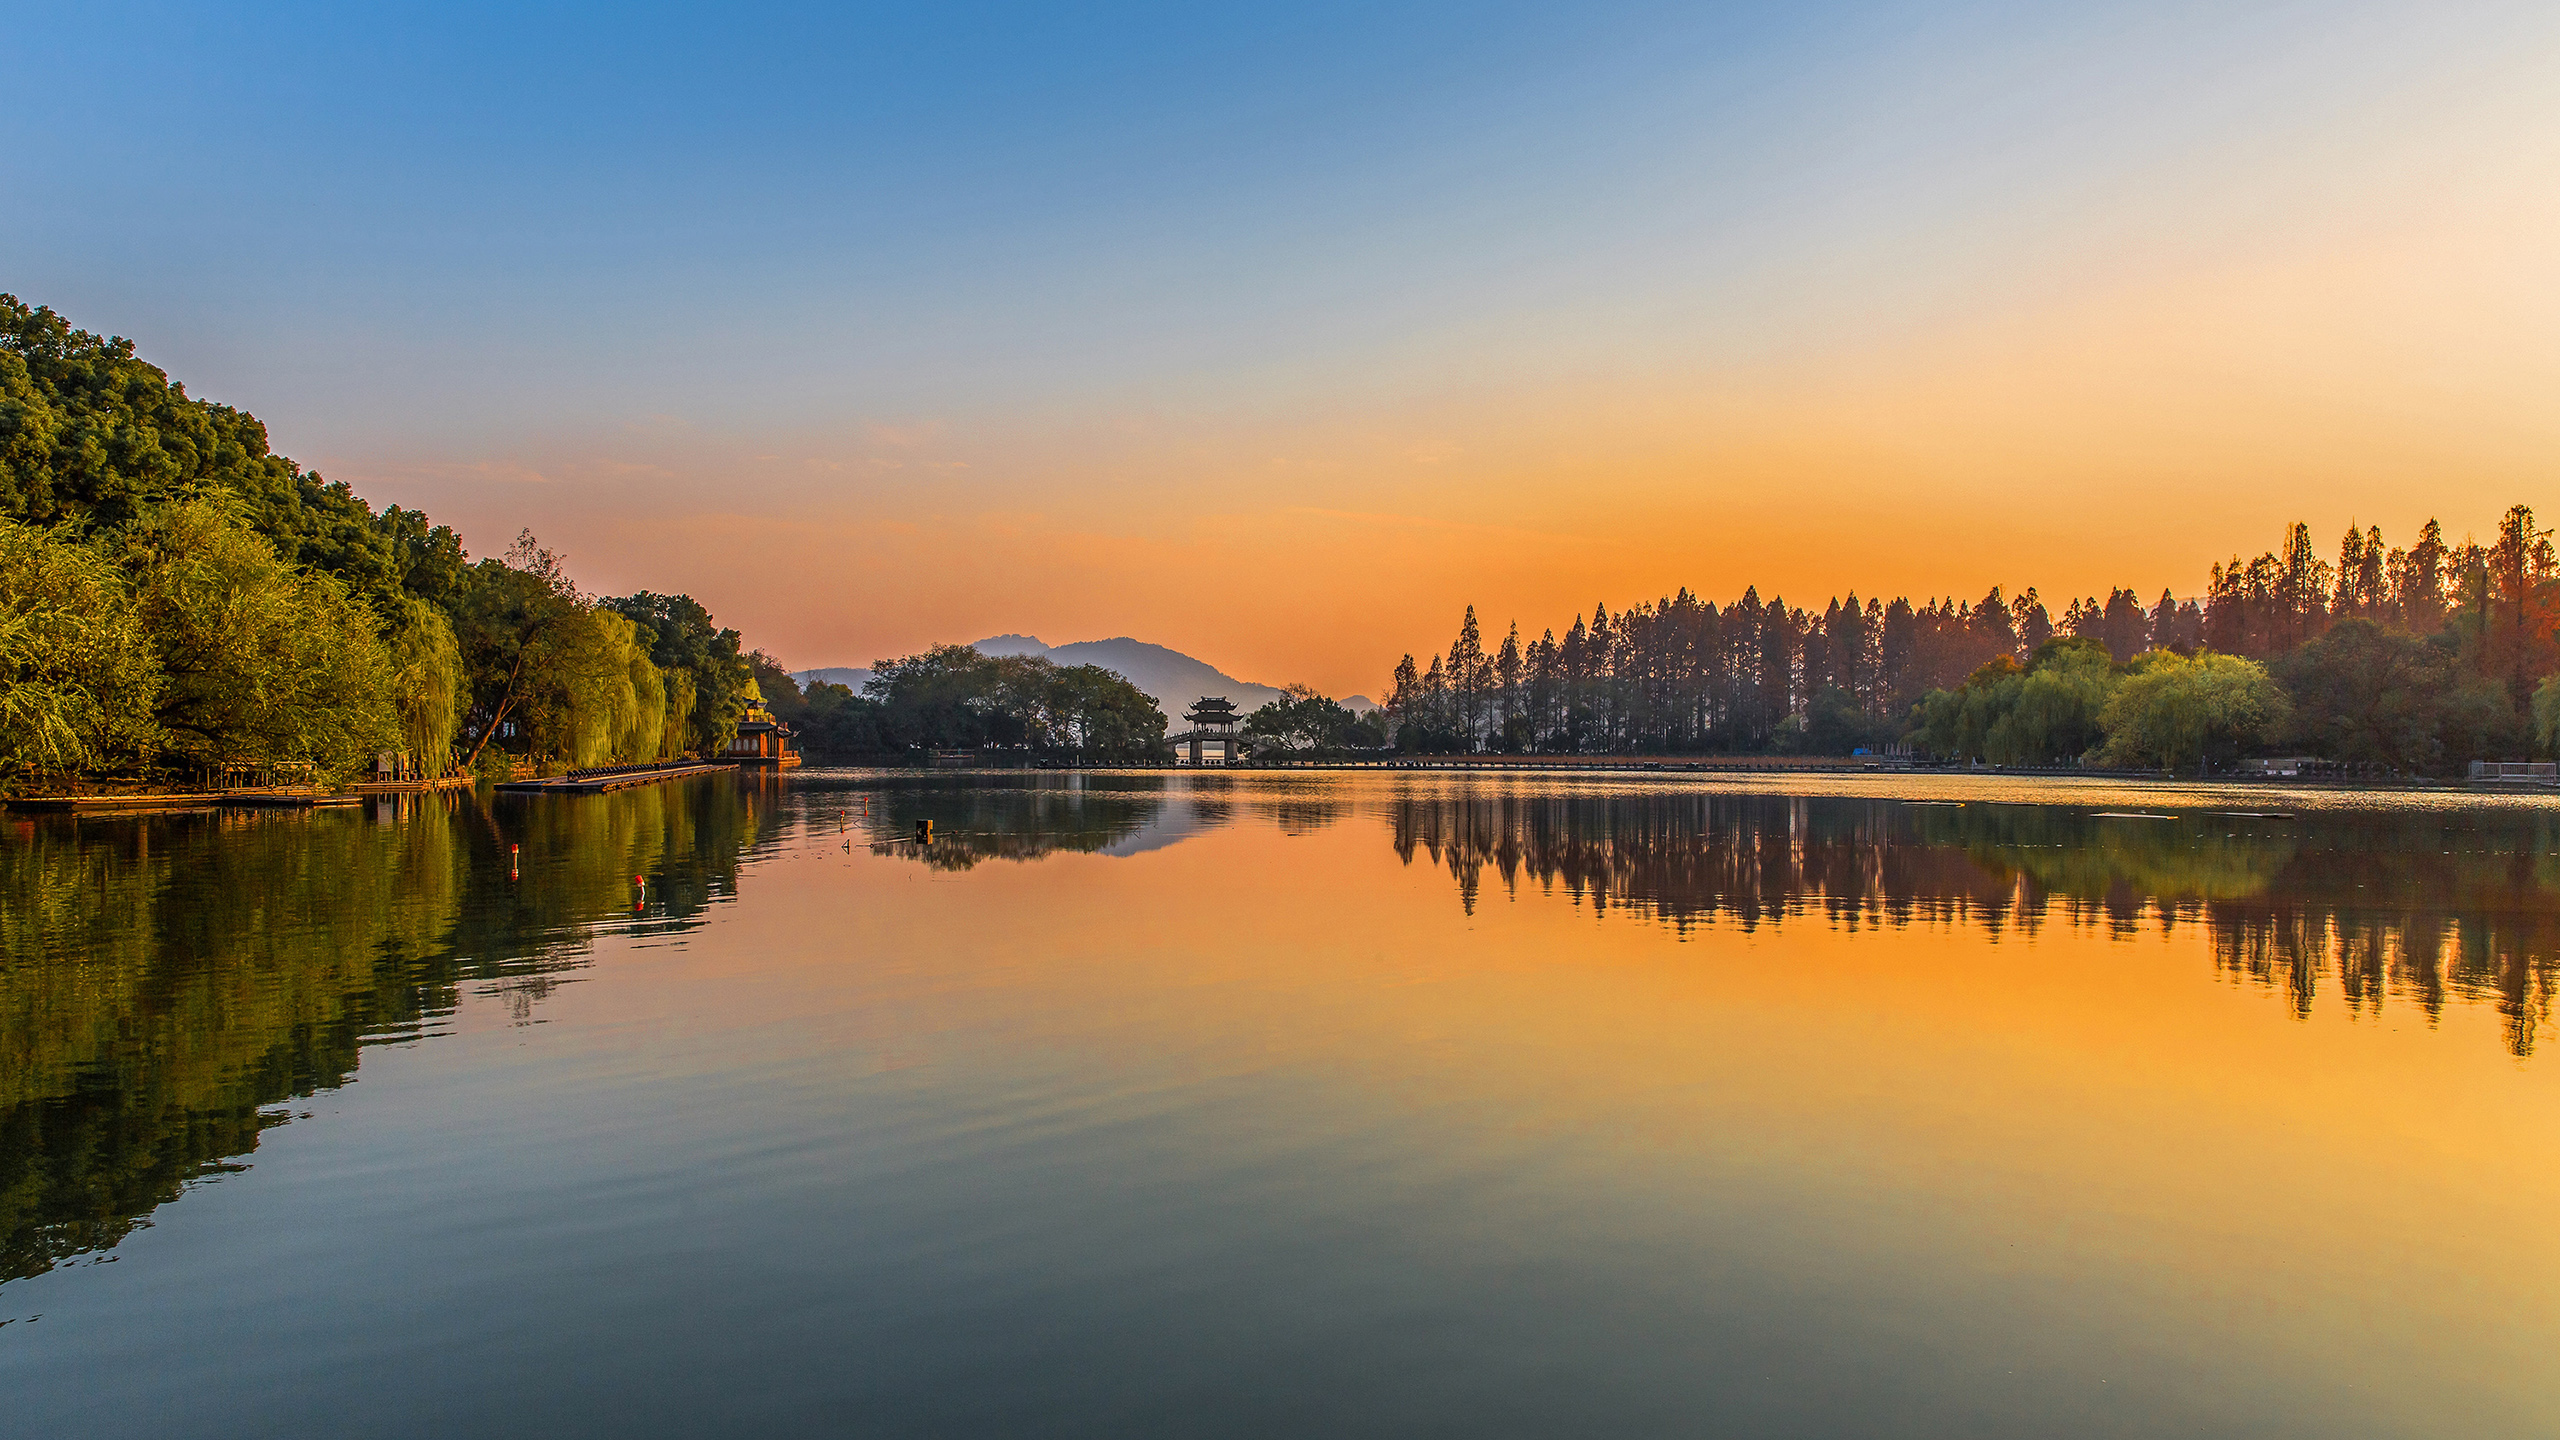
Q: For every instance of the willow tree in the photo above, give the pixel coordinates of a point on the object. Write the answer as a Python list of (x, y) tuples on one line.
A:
[(427, 675), (617, 697), (682, 638), (264, 661), (675, 734), (78, 676), (2050, 712), (2175, 709)]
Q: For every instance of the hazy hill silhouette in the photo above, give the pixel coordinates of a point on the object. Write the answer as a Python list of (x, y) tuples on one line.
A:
[(1169, 677)]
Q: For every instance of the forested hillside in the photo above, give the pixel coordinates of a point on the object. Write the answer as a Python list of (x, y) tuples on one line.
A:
[(180, 597)]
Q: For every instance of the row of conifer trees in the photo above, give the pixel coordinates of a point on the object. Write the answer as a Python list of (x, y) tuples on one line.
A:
[(1686, 674)]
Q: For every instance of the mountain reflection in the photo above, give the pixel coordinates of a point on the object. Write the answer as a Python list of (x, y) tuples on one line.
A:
[(2426, 906), (976, 819), (166, 981)]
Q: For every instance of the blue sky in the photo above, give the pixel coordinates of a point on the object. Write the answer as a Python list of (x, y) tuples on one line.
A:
[(685, 288)]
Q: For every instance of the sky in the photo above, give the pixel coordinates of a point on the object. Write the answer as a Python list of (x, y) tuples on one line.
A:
[(1278, 335)]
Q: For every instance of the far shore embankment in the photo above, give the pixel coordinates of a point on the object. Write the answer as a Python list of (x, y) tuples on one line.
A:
[(1762, 766)]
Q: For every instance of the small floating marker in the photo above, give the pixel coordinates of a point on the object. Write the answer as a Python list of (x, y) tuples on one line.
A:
[(511, 860)]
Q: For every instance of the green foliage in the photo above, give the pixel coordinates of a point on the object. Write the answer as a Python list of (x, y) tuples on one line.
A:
[(952, 697), (1836, 724), (184, 635), (682, 639), (263, 661), (2045, 712), (2546, 715), (78, 674), (1302, 721), (565, 681), (830, 720), (944, 698), (1094, 713), (615, 693), (2049, 713), (676, 732), (502, 653), (91, 434), (2172, 710), (2368, 695), (427, 680)]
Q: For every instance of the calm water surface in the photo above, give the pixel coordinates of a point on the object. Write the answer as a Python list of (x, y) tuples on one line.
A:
[(1179, 1105)]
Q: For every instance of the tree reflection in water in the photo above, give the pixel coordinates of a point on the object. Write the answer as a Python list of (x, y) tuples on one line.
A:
[(2426, 906), (165, 981)]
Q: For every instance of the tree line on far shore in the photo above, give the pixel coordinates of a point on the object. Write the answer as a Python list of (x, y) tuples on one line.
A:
[(953, 698), (2409, 661), (175, 598)]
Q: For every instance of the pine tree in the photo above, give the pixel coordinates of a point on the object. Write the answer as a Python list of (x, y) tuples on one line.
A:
[(1508, 669), (2034, 625), (2163, 628)]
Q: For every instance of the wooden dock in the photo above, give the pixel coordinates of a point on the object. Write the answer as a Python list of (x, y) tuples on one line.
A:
[(597, 782), (415, 787), (133, 804), (145, 802)]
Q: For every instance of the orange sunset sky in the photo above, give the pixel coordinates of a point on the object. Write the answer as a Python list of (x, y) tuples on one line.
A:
[(1280, 339)]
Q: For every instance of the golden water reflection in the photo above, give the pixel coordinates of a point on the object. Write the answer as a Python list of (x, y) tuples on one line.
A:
[(2417, 905), (1640, 1107)]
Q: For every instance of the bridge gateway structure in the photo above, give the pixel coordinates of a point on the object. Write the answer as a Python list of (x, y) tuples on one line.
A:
[(1213, 730)]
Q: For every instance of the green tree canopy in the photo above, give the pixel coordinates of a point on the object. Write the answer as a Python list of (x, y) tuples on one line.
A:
[(92, 434), (79, 677), (2174, 710), (710, 683), (2041, 713), (2363, 693), (263, 660), (952, 697), (1302, 719)]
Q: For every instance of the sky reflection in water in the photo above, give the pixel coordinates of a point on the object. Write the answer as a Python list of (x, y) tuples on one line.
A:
[(1282, 1103)]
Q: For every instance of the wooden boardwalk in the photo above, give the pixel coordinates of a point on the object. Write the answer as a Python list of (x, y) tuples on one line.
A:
[(1607, 764), (162, 802), (597, 782), (134, 804), (414, 787)]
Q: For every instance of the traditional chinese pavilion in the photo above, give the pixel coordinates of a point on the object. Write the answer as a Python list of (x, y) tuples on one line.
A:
[(1212, 738), (763, 741)]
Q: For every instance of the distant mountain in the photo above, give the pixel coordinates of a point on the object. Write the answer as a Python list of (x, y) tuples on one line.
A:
[(1170, 678)]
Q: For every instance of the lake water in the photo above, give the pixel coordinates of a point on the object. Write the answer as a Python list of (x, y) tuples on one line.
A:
[(1289, 1105)]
